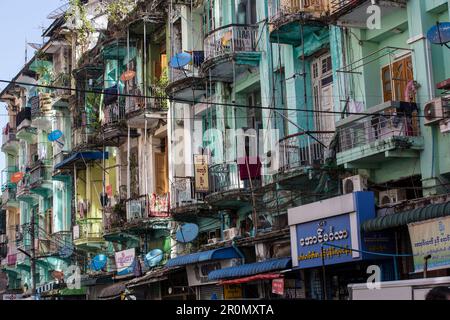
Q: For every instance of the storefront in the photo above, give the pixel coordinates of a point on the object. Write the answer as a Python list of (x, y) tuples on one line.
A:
[(328, 246), (200, 265)]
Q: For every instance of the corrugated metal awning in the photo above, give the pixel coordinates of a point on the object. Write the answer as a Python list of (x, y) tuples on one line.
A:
[(395, 220), (113, 291), (250, 269), (81, 156), (217, 254)]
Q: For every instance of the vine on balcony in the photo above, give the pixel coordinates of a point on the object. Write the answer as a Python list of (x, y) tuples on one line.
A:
[(76, 17), (118, 10)]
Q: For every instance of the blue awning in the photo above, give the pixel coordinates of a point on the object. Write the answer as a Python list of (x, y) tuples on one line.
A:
[(217, 254), (81, 156), (250, 269)]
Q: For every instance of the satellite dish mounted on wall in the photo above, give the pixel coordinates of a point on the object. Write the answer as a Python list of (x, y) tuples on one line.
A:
[(440, 34), (180, 60), (154, 257), (187, 233), (99, 262)]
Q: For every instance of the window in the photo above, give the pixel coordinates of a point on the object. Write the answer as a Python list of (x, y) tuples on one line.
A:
[(395, 78), (246, 12)]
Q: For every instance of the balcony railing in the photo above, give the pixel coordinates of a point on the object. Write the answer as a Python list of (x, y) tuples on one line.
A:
[(377, 128), (23, 116), (225, 177), (155, 100), (41, 172), (288, 7), (230, 39), (114, 113), (137, 209), (89, 229), (183, 192), (191, 70), (9, 136), (303, 149), (40, 105), (8, 194)]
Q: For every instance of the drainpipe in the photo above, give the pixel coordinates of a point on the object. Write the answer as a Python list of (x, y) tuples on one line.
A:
[(233, 244)]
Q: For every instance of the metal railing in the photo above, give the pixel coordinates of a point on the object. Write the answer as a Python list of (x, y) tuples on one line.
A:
[(225, 177), (183, 192), (230, 39), (304, 149), (191, 70), (114, 113), (137, 209), (287, 7), (89, 229), (40, 173), (8, 194), (377, 128), (344, 5), (6, 176), (8, 137), (155, 100)]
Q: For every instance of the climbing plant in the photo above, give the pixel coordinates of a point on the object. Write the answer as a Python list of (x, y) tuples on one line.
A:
[(76, 17), (118, 10)]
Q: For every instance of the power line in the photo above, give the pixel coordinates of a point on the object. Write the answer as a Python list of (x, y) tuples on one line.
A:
[(193, 101)]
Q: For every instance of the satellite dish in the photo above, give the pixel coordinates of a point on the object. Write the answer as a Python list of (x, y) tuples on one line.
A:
[(187, 233), (180, 60), (99, 262), (128, 75), (154, 257), (66, 251), (440, 33), (17, 177), (55, 135)]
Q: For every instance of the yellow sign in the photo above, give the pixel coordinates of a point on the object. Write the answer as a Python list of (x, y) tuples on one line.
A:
[(232, 291), (201, 174)]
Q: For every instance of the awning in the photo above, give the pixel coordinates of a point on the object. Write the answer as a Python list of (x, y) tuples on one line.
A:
[(81, 156), (389, 221), (267, 276), (217, 254), (113, 291), (250, 269)]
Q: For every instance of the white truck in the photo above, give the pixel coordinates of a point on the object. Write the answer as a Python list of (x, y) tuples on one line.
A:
[(415, 289)]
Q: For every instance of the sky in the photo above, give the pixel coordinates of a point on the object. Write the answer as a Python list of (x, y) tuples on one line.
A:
[(20, 21)]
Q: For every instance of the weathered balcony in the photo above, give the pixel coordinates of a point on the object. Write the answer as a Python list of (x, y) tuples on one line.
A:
[(9, 198), (290, 18), (23, 125), (229, 49), (303, 150), (41, 110), (24, 192), (88, 233), (41, 178), (146, 212), (85, 138), (10, 143), (389, 133), (353, 13), (114, 131), (185, 202), (146, 111), (188, 83)]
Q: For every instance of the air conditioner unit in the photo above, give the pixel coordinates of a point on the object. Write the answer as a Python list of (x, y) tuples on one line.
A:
[(230, 234), (354, 184), (213, 241), (444, 126), (434, 111), (391, 197)]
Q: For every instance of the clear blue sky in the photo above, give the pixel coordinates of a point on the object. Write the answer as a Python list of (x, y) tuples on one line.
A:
[(20, 20)]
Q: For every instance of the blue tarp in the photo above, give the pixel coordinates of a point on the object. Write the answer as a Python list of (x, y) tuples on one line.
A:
[(218, 254), (86, 156), (250, 269)]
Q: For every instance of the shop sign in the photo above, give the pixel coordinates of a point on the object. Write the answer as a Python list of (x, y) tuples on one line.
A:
[(313, 236), (125, 262), (232, 291), (11, 297), (432, 238), (278, 286), (159, 205), (201, 173)]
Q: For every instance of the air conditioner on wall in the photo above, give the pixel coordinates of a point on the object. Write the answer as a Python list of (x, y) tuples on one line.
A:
[(230, 234), (354, 184), (390, 197), (435, 110)]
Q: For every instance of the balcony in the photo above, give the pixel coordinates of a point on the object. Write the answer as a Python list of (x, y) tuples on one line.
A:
[(9, 198), (353, 13), (147, 213), (88, 233), (114, 131), (146, 112), (188, 83), (41, 110), (291, 18), (85, 138), (23, 125), (24, 192), (230, 50), (302, 151), (185, 202), (389, 133), (10, 143), (228, 190), (41, 178)]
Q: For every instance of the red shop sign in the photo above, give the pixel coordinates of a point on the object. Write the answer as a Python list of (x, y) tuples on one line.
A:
[(278, 286)]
